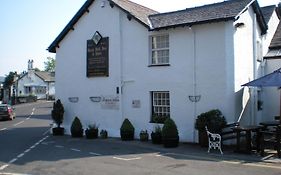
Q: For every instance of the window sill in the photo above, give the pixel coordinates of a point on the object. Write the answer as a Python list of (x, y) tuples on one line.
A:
[(157, 65), (156, 122)]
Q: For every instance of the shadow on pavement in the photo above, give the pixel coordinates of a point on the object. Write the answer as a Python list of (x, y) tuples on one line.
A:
[(58, 148)]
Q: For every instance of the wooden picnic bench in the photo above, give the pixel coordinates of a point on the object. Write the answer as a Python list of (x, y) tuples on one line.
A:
[(228, 133), (271, 138)]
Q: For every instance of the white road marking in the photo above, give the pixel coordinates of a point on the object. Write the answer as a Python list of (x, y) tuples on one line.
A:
[(20, 155), (46, 143), (3, 129), (59, 146), (13, 160), (18, 123), (95, 154), (128, 159), (26, 151), (77, 150), (46, 132), (4, 166), (267, 157), (32, 113)]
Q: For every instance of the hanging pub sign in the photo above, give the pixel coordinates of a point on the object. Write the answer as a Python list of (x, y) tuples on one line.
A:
[(97, 58)]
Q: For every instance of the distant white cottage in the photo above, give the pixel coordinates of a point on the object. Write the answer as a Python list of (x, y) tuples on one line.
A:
[(38, 83), (117, 59)]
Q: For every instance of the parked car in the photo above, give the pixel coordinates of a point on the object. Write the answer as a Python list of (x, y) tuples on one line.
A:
[(6, 112)]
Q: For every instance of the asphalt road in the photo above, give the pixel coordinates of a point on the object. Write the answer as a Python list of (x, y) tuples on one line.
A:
[(30, 125), (27, 148)]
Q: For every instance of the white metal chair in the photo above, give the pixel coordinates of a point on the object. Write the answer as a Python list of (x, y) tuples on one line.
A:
[(214, 141)]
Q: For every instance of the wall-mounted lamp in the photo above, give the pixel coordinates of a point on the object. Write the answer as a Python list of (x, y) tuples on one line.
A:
[(73, 99), (194, 98), (102, 5), (95, 99), (239, 25)]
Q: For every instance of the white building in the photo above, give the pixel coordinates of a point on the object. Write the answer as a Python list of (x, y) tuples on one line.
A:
[(38, 83), (271, 96), (177, 64)]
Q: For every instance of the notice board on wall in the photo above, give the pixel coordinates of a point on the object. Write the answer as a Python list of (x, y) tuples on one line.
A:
[(97, 58)]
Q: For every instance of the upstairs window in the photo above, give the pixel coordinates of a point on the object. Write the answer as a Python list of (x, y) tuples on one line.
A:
[(160, 50)]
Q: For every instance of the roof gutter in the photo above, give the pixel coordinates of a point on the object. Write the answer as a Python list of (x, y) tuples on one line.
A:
[(260, 17), (70, 26), (129, 15)]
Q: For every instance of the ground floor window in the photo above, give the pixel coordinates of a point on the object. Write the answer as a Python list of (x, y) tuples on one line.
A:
[(160, 106), (40, 90), (27, 90)]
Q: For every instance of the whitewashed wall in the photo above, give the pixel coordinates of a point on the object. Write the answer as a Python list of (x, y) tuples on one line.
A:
[(201, 61), (272, 26), (271, 95), (271, 102), (71, 62), (30, 78), (246, 64)]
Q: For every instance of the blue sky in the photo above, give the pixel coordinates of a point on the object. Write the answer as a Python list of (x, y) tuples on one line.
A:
[(29, 26)]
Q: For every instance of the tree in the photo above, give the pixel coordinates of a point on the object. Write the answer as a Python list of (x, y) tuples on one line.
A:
[(9, 80), (57, 112), (50, 64)]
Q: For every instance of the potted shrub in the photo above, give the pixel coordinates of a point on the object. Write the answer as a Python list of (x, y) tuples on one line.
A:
[(103, 134), (76, 128), (127, 130), (215, 122), (92, 131), (144, 135), (57, 116), (159, 118), (170, 135), (156, 135)]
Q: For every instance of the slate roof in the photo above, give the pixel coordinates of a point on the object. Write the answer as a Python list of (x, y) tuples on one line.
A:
[(276, 40), (46, 76), (224, 11), (136, 11), (267, 12)]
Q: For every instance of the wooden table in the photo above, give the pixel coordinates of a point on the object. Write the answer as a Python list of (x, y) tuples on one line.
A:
[(248, 129), (266, 124)]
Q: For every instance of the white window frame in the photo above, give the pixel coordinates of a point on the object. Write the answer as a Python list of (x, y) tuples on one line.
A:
[(161, 103), (160, 59)]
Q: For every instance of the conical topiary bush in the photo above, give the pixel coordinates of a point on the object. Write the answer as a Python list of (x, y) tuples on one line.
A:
[(76, 128), (57, 116), (170, 135), (127, 130)]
